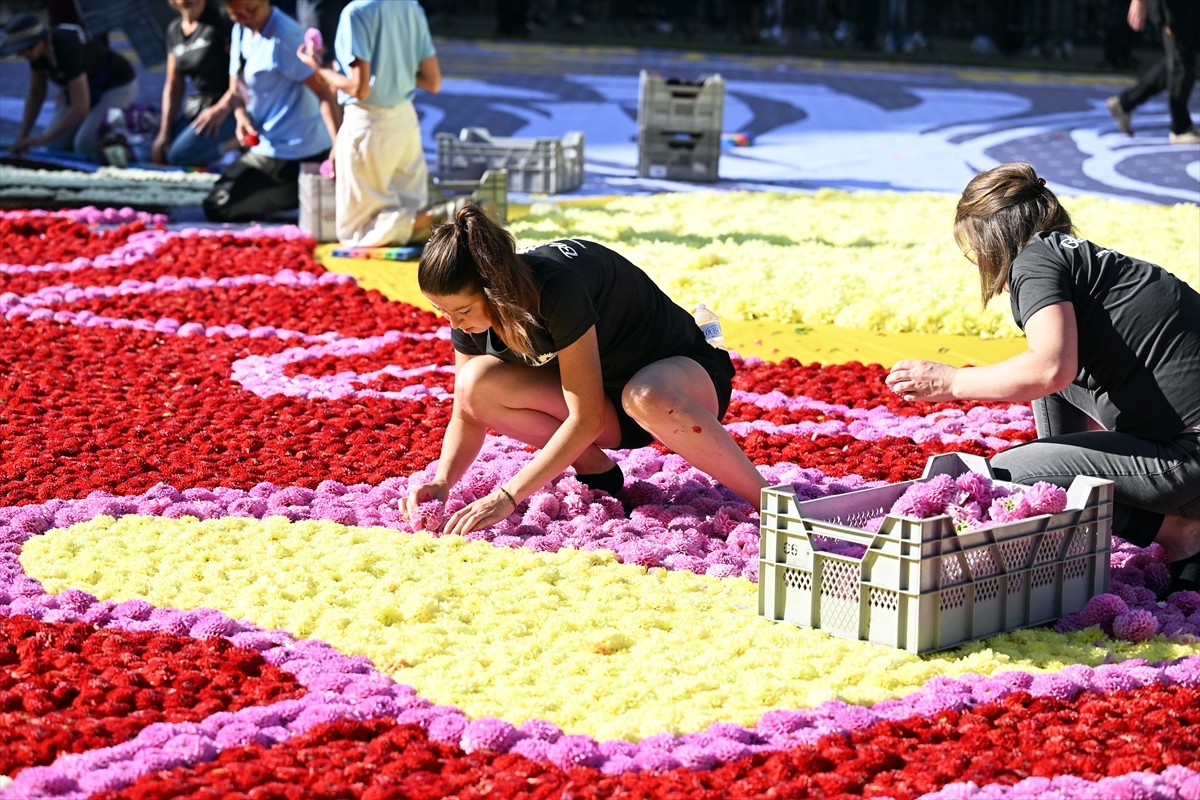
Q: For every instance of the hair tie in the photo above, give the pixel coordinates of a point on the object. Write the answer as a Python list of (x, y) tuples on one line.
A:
[(1042, 181)]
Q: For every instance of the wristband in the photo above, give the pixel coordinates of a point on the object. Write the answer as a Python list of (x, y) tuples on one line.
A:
[(505, 492)]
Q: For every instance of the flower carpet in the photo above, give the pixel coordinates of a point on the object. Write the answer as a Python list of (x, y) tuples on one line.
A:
[(207, 589)]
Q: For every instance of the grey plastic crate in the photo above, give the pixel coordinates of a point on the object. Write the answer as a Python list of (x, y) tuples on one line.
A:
[(681, 106), (489, 185), (917, 584), (679, 156), (543, 166), (318, 201), (318, 206)]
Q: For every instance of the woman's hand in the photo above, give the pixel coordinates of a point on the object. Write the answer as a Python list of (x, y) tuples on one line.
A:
[(247, 136), (158, 151), (922, 380), (483, 512), (208, 122), (423, 493)]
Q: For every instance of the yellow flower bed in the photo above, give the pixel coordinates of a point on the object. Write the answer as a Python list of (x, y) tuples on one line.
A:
[(883, 262), (600, 648)]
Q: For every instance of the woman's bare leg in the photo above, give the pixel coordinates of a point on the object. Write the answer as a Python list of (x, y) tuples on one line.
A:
[(527, 404), (675, 401)]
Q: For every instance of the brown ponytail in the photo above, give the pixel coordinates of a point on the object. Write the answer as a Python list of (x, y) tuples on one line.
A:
[(474, 254), (999, 212)]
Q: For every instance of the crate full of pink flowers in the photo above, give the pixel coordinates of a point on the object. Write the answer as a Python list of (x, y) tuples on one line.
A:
[(929, 564)]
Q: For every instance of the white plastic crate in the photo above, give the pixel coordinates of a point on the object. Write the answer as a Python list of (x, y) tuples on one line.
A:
[(544, 166), (489, 185), (665, 155), (917, 584), (681, 106), (318, 206)]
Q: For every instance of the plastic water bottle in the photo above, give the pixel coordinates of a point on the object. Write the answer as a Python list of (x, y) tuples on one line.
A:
[(710, 326)]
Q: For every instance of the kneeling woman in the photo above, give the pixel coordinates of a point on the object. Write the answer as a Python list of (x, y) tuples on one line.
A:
[(569, 348)]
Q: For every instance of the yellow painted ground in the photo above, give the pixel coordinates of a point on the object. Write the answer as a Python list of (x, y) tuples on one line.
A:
[(772, 341)]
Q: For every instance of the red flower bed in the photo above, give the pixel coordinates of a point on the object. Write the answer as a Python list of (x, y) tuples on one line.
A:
[(30, 241), (307, 309), (94, 408), (69, 688), (1094, 736)]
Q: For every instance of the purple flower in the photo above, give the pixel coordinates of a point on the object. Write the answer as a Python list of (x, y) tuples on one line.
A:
[(573, 750), (1136, 625), (541, 729), (488, 733)]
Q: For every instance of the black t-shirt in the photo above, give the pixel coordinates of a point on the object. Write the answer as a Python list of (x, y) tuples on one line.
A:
[(204, 56), (583, 284), (1139, 330), (70, 53)]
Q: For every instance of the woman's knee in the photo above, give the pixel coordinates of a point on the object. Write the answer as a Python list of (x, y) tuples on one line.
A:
[(477, 385), (650, 402)]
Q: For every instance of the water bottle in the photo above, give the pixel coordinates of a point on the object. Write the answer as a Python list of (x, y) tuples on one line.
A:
[(710, 326)]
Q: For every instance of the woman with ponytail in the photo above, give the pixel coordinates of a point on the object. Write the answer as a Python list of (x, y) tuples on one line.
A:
[(1112, 362), (572, 349)]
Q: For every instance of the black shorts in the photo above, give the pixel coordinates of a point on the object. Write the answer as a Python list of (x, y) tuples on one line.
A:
[(719, 367)]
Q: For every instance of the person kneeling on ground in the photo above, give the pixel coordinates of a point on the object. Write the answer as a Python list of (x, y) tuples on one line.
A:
[(1112, 341), (384, 54), (288, 117), (570, 348), (92, 79)]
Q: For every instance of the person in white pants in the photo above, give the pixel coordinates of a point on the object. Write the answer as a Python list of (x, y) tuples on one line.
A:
[(383, 53)]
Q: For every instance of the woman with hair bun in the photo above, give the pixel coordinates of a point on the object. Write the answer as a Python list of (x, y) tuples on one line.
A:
[(572, 349), (1112, 362)]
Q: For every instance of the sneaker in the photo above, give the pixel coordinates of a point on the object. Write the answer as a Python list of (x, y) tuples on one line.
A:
[(1119, 115), (1187, 137)]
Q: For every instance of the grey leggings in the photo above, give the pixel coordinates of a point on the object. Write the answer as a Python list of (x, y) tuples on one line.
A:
[(1150, 478)]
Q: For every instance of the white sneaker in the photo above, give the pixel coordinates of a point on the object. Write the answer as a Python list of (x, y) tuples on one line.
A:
[(1187, 137)]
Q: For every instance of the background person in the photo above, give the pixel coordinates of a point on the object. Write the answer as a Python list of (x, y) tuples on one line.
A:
[(92, 79), (384, 54), (569, 348), (1179, 23), (195, 130), (289, 116), (1111, 341)]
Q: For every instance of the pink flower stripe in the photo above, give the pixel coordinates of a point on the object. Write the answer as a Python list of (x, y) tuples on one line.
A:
[(1173, 783), (145, 244), (267, 375)]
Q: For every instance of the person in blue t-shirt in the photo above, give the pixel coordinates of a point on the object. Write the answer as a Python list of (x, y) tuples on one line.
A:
[(285, 114), (384, 53)]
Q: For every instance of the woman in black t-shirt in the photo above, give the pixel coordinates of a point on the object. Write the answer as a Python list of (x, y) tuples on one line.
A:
[(1112, 363), (92, 80), (569, 348), (194, 130)]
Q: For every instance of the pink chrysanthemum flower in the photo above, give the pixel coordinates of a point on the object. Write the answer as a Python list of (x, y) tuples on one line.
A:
[(977, 486), (1136, 625), (489, 733), (1045, 498), (1102, 609), (925, 499)]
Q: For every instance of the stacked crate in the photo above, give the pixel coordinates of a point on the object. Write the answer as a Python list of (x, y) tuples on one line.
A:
[(679, 127)]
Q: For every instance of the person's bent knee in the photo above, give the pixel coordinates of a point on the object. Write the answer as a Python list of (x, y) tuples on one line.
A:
[(475, 386), (1011, 465)]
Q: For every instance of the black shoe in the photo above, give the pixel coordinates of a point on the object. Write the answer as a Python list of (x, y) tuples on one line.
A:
[(1185, 575)]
